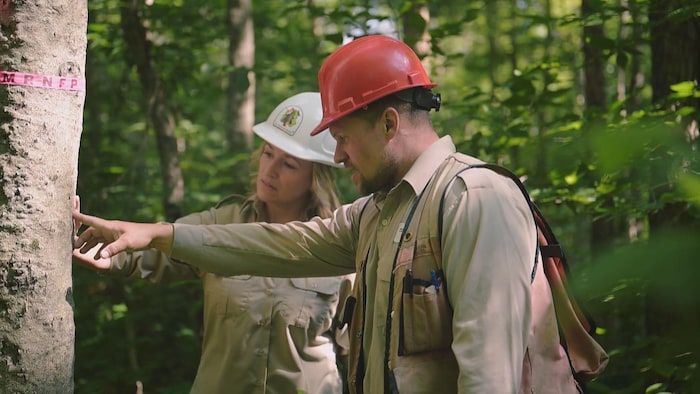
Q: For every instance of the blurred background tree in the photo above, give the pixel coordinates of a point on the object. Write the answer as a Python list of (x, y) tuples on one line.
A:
[(594, 103)]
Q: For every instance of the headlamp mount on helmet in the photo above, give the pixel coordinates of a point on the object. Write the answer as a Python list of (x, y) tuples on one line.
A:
[(421, 97)]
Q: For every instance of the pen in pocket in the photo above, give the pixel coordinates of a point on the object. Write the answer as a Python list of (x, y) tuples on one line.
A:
[(435, 278)]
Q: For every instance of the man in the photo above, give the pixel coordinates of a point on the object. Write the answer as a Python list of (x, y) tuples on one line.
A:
[(376, 100)]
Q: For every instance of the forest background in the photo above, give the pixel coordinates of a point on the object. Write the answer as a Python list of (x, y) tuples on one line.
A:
[(594, 103)]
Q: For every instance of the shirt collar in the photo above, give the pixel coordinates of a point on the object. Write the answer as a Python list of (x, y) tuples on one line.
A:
[(423, 168)]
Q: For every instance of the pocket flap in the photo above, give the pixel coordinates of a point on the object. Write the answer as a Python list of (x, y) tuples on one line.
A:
[(320, 285)]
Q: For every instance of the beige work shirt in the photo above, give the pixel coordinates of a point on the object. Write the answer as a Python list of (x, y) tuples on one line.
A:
[(488, 244), (261, 334)]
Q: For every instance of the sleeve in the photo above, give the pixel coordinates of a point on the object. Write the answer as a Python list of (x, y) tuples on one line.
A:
[(319, 247), (489, 247), (154, 266)]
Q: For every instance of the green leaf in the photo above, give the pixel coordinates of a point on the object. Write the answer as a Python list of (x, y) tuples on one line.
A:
[(684, 89)]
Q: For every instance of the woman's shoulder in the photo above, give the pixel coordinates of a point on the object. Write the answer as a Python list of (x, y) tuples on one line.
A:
[(232, 199)]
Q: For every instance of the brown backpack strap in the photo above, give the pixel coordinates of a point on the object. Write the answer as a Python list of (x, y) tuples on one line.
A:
[(586, 357)]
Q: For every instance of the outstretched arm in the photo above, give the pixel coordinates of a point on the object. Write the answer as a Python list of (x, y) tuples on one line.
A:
[(118, 236)]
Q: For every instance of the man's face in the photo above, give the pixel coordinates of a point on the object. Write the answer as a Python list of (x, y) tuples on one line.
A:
[(361, 146)]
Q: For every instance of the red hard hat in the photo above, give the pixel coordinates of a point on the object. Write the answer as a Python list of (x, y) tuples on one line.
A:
[(363, 71)]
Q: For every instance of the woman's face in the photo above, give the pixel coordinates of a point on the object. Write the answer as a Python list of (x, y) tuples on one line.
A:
[(282, 178)]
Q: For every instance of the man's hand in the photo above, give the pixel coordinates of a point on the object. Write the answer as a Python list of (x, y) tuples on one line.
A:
[(87, 259), (91, 259), (118, 236)]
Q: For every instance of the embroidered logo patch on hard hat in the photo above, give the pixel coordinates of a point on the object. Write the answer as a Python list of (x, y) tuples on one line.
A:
[(289, 120)]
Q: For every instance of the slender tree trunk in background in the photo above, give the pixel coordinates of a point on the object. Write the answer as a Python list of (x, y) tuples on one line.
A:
[(675, 39), (160, 115), (605, 228), (622, 35), (241, 81), (240, 112), (635, 77), (593, 63), (629, 84), (39, 141), (541, 165), (492, 30), (415, 32)]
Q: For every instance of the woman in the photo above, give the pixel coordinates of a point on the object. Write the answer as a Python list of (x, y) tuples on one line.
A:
[(263, 335)]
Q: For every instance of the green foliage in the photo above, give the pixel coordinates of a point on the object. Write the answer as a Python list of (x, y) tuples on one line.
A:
[(509, 74)]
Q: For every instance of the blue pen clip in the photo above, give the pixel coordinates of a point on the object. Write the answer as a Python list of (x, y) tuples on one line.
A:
[(435, 279)]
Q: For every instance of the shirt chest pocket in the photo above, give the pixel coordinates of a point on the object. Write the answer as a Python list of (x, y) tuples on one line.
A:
[(425, 312), (310, 302), (231, 295)]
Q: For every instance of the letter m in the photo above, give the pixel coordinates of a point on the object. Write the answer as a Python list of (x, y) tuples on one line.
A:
[(8, 78)]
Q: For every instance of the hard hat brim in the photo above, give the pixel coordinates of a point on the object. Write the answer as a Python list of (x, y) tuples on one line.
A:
[(279, 139)]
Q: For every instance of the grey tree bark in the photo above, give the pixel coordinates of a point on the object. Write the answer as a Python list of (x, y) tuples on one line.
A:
[(240, 102), (241, 82), (40, 127)]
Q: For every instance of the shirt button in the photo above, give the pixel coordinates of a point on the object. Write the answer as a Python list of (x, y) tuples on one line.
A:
[(385, 222)]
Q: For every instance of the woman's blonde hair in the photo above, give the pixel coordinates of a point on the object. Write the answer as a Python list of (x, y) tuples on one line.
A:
[(323, 199)]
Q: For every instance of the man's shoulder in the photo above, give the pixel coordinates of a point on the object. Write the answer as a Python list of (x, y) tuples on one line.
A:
[(471, 171), (465, 159)]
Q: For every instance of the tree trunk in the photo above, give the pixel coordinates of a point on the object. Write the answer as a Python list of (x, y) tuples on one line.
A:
[(593, 63), (160, 115), (635, 77), (241, 83), (40, 126), (492, 31), (415, 32), (674, 39), (240, 102), (605, 226), (540, 176)]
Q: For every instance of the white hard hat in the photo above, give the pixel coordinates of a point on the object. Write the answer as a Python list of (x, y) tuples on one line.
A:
[(289, 128)]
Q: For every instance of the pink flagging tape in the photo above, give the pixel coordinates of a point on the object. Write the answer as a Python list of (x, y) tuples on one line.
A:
[(42, 81)]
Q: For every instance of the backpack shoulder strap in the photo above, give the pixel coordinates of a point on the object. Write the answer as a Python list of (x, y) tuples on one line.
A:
[(436, 226), (586, 357)]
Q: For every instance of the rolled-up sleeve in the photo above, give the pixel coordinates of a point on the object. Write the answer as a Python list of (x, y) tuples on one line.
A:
[(489, 247)]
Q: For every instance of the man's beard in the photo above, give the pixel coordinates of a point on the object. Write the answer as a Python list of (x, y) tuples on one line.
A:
[(383, 181)]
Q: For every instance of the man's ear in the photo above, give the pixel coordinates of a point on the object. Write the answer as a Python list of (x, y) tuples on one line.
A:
[(390, 118)]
